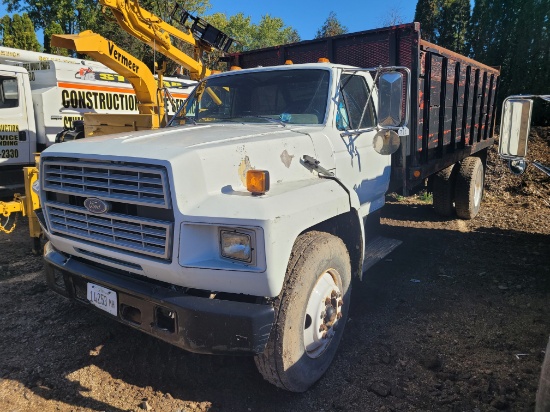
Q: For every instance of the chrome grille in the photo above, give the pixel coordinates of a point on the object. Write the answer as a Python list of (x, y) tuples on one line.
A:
[(140, 217), (134, 184), (140, 235)]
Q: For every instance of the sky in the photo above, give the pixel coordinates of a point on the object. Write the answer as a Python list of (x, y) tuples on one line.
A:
[(307, 16)]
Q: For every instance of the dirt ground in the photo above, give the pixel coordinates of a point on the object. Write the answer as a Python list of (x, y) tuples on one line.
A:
[(455, 319)]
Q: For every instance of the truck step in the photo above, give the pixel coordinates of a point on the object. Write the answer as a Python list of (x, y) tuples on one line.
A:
[(377, 249)]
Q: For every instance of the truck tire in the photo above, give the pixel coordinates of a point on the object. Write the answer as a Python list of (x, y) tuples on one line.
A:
[(444, 191), (543, 392), (311, 313), (469, 187)]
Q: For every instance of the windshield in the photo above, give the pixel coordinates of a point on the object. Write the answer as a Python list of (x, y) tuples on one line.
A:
[(283, 96)]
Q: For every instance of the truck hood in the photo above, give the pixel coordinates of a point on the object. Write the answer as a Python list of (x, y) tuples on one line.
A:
[(206, 160), (170, 143)]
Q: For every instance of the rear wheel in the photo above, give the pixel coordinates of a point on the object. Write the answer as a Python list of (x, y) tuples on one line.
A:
[(311, 313), (469, 187), (444, 190)]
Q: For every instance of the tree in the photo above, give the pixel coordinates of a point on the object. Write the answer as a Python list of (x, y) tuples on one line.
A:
[(18, 32), (73, 16), (271, 31), (427, 13), (452, 24), (53, 28), (393, 17), (515, 35), (331, 27)]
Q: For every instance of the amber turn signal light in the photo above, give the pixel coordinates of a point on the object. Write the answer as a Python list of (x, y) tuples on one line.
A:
[(257, 181)]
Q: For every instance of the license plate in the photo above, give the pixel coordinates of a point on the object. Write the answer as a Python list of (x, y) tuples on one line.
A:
[(103, 298)]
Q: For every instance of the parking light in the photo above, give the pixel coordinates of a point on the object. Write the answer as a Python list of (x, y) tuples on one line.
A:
[(257, 181)]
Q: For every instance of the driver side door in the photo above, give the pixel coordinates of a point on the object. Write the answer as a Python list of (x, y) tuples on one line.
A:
[(358, 165)]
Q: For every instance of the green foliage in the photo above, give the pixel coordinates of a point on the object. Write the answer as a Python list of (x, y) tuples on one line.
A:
[(452, 26), (331, 27), (514, 34), (73, 16), (427, 13), (271, 31), (426, 197), (53, 28), (18, 32), (444, 22)]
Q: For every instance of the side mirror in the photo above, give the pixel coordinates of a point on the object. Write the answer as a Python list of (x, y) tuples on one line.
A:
[(390, 99), (514, 128)]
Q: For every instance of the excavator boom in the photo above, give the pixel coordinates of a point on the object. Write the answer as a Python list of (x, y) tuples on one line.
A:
[(135, 71), (152, 30)]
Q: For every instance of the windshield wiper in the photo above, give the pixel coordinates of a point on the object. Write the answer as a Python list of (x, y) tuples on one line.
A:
[(270, 119)]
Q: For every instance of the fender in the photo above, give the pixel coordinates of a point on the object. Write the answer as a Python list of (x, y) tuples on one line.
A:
[(278, 217)]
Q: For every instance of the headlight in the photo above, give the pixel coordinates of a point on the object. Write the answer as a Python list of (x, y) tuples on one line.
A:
[(236, 245)]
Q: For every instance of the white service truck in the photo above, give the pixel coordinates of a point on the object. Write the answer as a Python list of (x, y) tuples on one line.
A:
[(42, 94), (238, 229)]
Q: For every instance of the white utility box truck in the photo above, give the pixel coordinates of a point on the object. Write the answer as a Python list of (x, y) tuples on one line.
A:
[(238, 229)]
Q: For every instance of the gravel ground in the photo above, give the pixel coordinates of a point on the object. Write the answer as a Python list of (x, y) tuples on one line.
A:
[(455, 319)]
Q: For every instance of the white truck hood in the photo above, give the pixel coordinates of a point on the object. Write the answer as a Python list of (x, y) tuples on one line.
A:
[(206, 160), (170, 143)]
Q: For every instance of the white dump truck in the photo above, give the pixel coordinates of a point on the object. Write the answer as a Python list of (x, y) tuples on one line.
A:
[(41, 94), (238, 228)]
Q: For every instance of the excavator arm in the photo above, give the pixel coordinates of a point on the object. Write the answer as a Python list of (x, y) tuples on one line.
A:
[(152, 30), (135, 71)]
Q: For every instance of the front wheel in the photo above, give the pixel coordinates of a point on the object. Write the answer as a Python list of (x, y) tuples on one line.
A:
[(312, 310)]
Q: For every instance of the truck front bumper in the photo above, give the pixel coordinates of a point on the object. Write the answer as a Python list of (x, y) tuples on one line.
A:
[(196, 324)]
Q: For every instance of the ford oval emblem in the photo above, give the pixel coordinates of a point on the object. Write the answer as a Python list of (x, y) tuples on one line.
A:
[(97, 206)]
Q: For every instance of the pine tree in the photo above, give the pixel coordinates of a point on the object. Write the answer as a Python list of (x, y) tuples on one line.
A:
[(331, 27), (18, 32), (452, 25), (427, 14)]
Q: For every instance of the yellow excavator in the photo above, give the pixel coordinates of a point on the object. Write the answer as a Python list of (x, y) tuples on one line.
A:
[(148, 89), (158, 34)]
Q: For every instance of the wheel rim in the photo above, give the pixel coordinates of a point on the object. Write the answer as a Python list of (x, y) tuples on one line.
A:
[(478, 188), (324, 309)]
